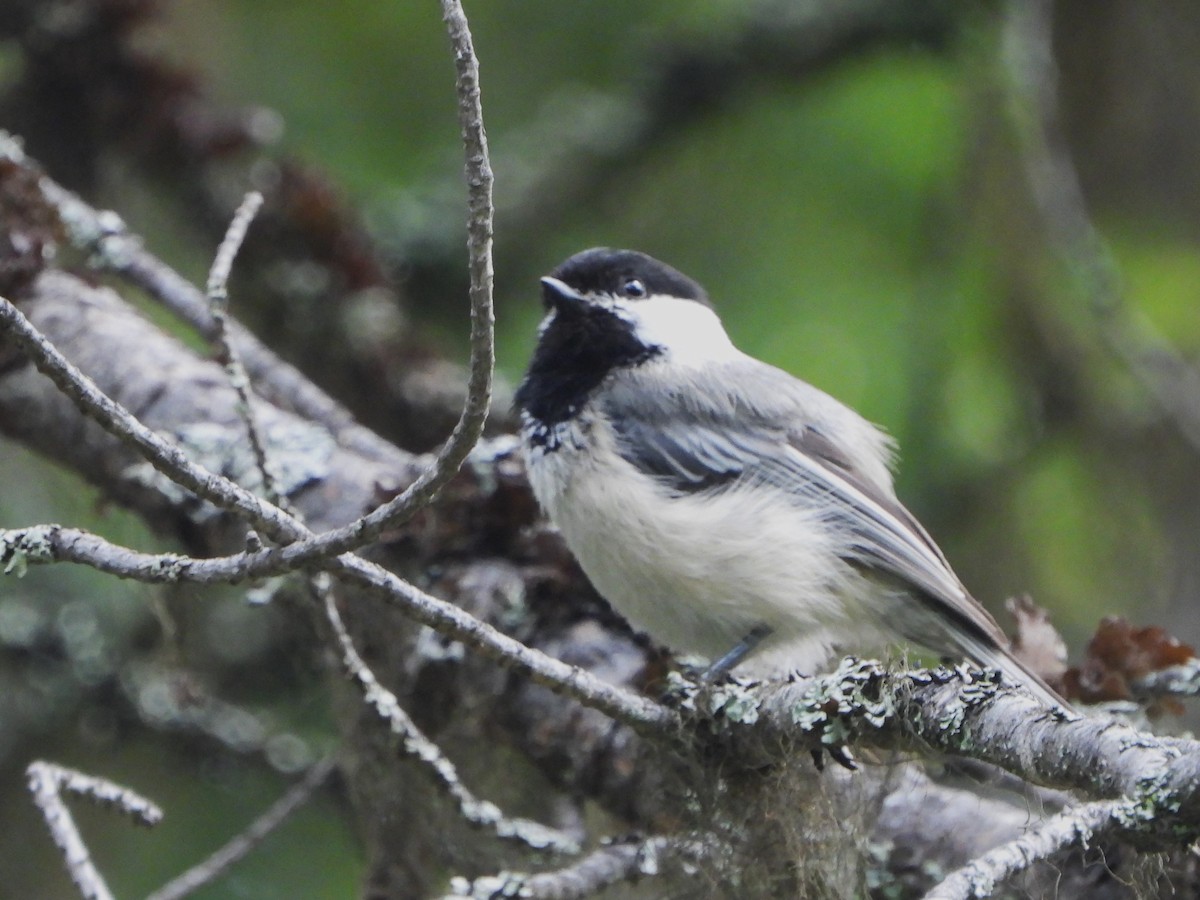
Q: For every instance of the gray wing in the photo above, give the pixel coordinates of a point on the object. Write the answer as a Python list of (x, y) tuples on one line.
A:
[(689, 449)]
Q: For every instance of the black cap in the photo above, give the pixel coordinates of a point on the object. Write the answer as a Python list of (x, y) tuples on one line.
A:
[(602, 270)]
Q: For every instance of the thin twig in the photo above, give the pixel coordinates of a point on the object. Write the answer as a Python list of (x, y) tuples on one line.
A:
[(42, 544), (227, 353), (299, 546), (113, 248), (467, 431), (48, 782), (163, 454), (212, 868), (983, 876), (284, 529), (416, 746), (222, 265), (615, 863)]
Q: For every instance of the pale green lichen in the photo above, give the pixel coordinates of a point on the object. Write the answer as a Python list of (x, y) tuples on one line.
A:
[(736, 701), (300, 455), (21, 547), (852, 691), (490, 887), (1151, 801), (170, 567), (682, 691)]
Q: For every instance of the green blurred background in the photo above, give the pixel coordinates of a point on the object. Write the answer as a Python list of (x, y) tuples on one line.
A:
[(864, 223)]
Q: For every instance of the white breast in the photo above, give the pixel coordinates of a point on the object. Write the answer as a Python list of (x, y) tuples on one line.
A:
[(698, 572)]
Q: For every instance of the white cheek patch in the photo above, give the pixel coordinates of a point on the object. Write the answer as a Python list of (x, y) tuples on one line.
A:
[(690, 332)]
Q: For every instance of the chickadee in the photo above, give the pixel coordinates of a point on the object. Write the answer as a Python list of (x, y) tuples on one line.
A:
[(721, 505)]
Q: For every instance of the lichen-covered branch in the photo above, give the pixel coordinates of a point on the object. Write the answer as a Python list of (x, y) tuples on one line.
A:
[(424, 608), (416, 746), (629, 860), (965, 712), (984, 875)]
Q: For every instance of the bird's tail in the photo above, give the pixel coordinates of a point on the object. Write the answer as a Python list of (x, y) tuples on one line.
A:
[(997, 657)]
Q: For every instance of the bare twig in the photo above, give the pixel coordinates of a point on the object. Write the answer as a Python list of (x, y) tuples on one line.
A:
[(48, 782), (1054, 184), (227, 353), (417, 747), (164, 455), (621, 861), (479, 221), (113, 248), (275, 523), (283, 528), (210, 869), (467, 431), (222, 265), (982, 877)]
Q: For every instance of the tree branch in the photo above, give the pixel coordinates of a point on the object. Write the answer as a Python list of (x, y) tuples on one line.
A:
[(983, 876), (422, 607), (227, 354), (416, 746), (48, 782), (622, 861), (117, 244), (958, 712)]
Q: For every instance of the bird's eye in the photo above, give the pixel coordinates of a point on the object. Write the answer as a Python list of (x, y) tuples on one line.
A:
[(634, 288)]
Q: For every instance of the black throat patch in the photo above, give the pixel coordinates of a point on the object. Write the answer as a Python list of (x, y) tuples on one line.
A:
[(576, 352)]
